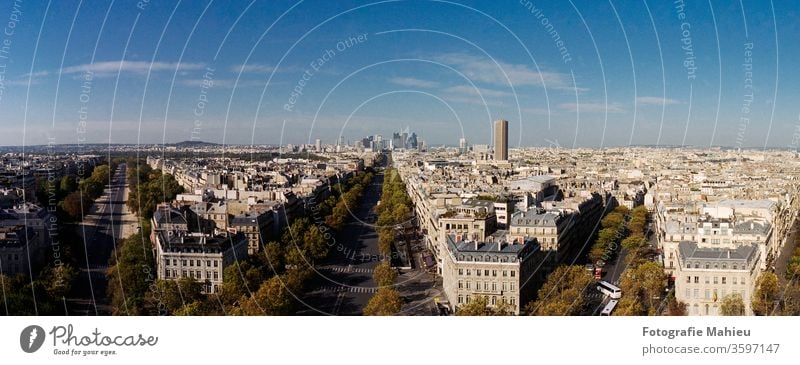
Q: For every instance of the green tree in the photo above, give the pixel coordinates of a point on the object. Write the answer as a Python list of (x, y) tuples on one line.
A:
[(732, 305), (563, 292), (629, 306), (59, 280), (385, 302), (130, 273), (612, 220), (384, 274), (68, 184), (633, 243), (479, 306), (272, 298), (766, 294)]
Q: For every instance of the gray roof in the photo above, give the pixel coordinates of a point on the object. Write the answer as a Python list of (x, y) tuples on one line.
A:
[(168, 215), (491, 251), (690, 251), (534, 218)]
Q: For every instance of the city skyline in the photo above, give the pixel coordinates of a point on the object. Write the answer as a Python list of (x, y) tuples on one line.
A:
[(131, 74)]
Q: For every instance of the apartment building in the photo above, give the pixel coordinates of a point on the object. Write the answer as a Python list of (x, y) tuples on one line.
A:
[(501, 270), (704, 276), (200, 256)]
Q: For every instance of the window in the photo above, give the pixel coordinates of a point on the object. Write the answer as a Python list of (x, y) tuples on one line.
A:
[(478, 272), (742, 281), (511, 285), (505, 286), (494, 272), (460, 284), (469, 272), (208, 263), (183, 262), (215, 263), (191, 262), (505, 273), (486, 272), (723, 280), (175, 262), (706, 279), (460, 271), (216, 275), (696, 293), (734, 280), (460, 299), (688, 293), (183, 274), (715, 280), (707, 294), (696, 279), (688, 279), (513, 273), (486, 285), (469, 284), (513, 301), (494, 286), (494, 300)]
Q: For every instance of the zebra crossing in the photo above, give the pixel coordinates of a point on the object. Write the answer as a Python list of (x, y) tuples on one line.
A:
[(348, 289), (350, 269), (595, 295)]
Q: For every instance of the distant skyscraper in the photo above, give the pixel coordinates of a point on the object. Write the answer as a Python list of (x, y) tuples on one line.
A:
[(501, 140), (412, 141), (462, 144), (396, 143), (318, 145)]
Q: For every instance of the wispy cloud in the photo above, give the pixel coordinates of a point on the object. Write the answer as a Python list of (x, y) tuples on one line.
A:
[(412, 82), (136, 67), (656, 100), (485, 70), (591, 107), (253, 68), (477, 92), (36, 74), (223, 83)]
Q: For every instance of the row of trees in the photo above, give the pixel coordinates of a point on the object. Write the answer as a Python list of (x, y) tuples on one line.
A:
[(394, 210), (643, 282), (386, 301), (148, 188), (131, 269), (79, 196), (612, 231)]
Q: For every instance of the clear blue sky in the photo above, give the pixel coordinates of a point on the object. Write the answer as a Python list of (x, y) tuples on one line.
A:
[(580, 73)]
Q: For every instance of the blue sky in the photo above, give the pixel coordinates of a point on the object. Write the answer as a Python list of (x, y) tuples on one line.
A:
[(580, 73)]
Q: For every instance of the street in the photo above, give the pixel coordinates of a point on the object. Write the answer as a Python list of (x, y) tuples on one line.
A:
[(107, 222), (343, 284)]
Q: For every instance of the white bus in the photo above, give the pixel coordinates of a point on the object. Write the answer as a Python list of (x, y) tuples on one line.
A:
[(609, 289), (609, 307)]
